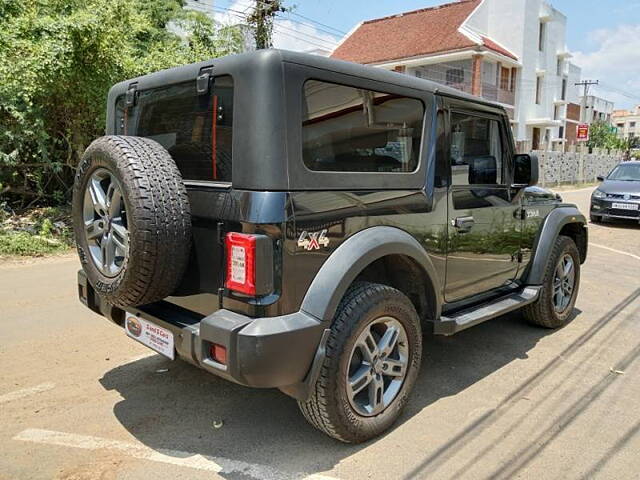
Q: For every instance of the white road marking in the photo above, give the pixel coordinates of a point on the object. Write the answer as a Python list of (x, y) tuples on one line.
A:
[(173, 457), (621, 252), (25, 392)]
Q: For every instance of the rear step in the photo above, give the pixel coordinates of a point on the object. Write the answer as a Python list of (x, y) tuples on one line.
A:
[(473, 316)]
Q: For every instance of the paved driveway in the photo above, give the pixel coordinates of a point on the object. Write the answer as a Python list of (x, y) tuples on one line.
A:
[(80, 400)]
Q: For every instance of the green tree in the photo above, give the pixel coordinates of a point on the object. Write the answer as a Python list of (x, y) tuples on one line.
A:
[(601, 135), (58, 59)]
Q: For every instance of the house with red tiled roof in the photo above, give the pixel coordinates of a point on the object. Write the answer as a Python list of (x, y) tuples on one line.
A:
[(507, 51)]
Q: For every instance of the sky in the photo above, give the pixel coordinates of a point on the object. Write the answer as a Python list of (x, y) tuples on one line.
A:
[(602, 35)]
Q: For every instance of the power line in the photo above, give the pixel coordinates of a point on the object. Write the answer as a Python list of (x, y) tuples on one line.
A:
[(314, 37), (319, 23)]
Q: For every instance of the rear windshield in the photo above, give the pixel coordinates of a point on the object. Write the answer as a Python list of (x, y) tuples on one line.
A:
[(347, 129), (195, 129)]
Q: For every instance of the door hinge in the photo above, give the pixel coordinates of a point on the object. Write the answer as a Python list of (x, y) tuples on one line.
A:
[(203, 81), (221, 232), (130, 98)]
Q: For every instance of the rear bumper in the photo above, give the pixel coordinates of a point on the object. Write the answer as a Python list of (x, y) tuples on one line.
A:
[(261, 352)]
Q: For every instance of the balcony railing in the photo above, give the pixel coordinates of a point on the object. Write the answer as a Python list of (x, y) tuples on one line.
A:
[(496, 94)]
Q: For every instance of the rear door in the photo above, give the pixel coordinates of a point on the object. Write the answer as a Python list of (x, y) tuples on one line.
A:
[(195, 126), (484, 227)]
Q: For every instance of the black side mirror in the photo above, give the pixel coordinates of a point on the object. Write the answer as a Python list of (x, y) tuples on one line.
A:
[(525, 170), (600, 178)]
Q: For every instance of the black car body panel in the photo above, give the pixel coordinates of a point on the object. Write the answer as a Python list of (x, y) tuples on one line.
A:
[(448, 247)]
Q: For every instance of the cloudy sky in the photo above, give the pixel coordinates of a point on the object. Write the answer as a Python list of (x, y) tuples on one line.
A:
[(603, 35)]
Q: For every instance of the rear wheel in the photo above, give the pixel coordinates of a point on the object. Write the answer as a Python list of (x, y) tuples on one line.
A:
[(559, 288), (373, 358)]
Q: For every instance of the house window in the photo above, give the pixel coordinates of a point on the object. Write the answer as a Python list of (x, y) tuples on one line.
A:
[(541, 36), (632, 124), (556, 112), (455, 76), (513, 79), (561, 132), (504, 78), (559, 67), (538, 90), (620, 125), (564, 89)]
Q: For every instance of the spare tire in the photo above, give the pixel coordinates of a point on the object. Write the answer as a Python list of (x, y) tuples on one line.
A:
[(131, 219)]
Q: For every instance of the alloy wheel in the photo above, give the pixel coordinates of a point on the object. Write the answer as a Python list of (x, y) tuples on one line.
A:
[(378, 366), (105, 222), (563, 283)]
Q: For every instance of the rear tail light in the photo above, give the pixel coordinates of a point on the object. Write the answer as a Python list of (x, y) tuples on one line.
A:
[(241, 263), (250, 263)]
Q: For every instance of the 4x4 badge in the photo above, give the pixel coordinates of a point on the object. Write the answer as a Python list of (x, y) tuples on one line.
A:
[(313, 240)]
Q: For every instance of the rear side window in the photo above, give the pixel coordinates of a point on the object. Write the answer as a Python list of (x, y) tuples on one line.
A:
[(195, 129), (346, 129)]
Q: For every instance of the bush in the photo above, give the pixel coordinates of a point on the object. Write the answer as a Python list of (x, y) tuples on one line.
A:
[(58, 59), (35, 232)]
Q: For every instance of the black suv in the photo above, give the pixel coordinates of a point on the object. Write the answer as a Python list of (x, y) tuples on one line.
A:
[(286, 220)]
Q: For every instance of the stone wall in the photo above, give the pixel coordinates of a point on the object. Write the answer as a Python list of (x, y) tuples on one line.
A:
[(574, 167)]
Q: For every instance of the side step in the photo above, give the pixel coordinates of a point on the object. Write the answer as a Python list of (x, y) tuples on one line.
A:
[(473, 316)]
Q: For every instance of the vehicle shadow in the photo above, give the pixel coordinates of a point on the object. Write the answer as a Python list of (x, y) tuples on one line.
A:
[(619, 223), (178, 410)]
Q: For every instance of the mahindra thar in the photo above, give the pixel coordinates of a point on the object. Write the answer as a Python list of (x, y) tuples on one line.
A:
[(290, 221)]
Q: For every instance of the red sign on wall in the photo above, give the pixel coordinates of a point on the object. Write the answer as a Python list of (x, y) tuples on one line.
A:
[(582, 134)]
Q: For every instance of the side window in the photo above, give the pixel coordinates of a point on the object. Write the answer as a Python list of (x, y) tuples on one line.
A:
[(346, 129), (476, 150)]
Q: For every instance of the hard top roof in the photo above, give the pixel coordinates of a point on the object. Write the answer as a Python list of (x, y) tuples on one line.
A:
[(261, 60)]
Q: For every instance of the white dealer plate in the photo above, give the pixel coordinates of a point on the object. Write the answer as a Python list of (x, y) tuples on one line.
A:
[(149, 334), (625, 206)]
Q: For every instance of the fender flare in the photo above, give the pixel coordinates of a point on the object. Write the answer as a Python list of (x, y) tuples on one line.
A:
[(545, 240), (352, 257)]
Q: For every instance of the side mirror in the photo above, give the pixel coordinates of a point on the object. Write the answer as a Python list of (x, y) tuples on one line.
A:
[(525, 170), (600, 178)]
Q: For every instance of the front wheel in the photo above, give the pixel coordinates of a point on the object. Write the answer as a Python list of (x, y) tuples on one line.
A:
[(559, 287), (372, 361)]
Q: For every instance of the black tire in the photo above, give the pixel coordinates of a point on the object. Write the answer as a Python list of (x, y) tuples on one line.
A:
[(543, 312), (157, 216), (329, 408)]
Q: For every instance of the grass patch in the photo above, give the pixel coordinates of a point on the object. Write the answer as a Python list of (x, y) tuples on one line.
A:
[(35, 232), (26, 244)]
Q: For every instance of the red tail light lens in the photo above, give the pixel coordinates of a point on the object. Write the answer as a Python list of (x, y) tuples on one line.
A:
[(241, 263)]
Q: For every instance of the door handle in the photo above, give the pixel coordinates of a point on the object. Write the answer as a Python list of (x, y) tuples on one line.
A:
[(463, 224)]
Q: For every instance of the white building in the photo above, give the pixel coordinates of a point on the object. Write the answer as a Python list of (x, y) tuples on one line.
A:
[(596, 109), (509, 51), (627, 122)]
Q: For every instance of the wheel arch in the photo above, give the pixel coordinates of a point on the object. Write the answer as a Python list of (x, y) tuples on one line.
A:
[(382, 254), (564, 220)]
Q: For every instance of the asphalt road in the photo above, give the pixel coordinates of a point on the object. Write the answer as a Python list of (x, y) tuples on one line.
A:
[(78, 399)]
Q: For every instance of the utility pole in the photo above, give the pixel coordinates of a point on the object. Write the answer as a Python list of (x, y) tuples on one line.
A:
[(583, 109), (261, 18)]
